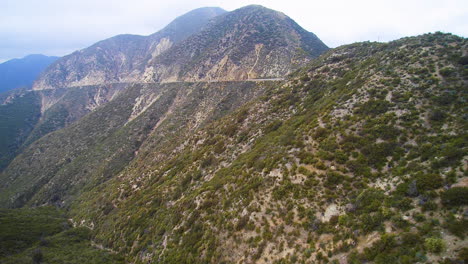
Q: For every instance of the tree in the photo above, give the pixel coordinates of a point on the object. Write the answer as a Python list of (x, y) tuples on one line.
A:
[(37, 256)]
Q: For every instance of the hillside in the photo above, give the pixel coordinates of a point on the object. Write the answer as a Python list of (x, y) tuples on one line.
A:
[(359, 156), (120, 58), (21, 73)]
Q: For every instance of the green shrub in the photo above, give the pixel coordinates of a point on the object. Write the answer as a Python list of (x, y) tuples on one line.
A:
[(437, 115), (447, 72), (411, 239), (320, 133), (429, 206), (455, 196), (333, 179), (434, 245), (359, 166), (373, 107), (371, 222), (306, 157), (463, 255), (457, 227), (343, 220), (341, 157), (370, 200), (273, 126), (426, 182)]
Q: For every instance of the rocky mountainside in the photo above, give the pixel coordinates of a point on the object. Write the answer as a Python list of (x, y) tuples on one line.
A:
[(206, 44), (247, 43), (120, 59), (21, 73), (359, 156)]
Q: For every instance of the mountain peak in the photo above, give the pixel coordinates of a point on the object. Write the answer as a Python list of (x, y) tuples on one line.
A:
[(248, 43), (191, 21), (260, 10), (255, 8)]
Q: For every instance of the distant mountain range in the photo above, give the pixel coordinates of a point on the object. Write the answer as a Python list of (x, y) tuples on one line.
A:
[(22, 72)]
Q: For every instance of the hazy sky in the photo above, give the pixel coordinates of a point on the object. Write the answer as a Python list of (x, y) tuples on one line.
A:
[(59, 27)]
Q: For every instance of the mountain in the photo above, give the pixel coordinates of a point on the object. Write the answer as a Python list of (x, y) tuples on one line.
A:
[(18, 73), (247, 43), (120, 58), (358, 156), (203, 45)]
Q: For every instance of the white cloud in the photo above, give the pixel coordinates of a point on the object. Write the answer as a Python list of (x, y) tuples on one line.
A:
[(57, 27)]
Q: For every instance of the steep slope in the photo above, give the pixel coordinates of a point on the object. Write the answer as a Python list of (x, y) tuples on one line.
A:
[(26, 116), (250, 42), (62, 107), (356, 157), (21, 73), (19, 112), (119, 59), (98, 146)]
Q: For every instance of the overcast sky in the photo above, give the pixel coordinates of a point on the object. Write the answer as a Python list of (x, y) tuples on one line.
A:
[(59, 27)]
